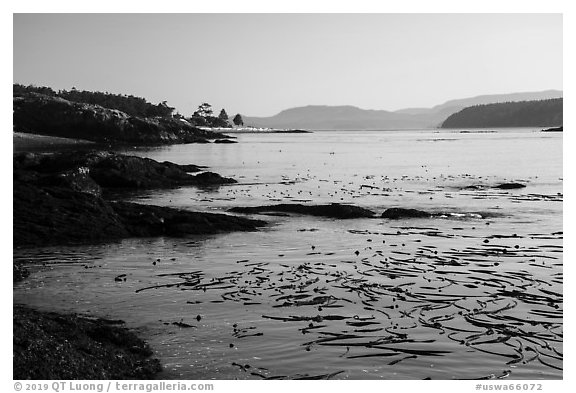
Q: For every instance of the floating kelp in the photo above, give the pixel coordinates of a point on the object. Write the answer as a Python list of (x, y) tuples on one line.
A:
[(402, 301)]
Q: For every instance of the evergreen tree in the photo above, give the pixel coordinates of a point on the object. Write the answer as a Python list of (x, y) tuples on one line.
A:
[(133, 106), (204, 110), (223, 115), (238, 120)]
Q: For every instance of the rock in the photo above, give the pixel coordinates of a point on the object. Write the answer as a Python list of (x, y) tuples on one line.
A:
[(57, 162), (19, 272), (87, 170), (56, 215), (56, 202), (396, 213), (77, 179), (510, 186), (224, 141), (51, 215), (25, 160), (333, 210), (211, 179), (473, 187), (147, 221), (46, 115), (554, 129), (118, 171), (58, 346)]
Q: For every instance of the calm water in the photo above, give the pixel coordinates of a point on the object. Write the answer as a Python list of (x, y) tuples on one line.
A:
[(475, 293)]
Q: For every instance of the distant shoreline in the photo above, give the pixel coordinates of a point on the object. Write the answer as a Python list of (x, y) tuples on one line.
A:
[(250, 130)]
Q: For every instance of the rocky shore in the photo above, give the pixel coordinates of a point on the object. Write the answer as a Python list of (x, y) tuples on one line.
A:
[(56, 195), (57, 346), (333, 210), (342, 211), (62, 198), (54, 116)]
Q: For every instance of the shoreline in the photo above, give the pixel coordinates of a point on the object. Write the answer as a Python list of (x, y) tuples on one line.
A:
[(249, 130), (51, 345), (444, 261), (54, 195)]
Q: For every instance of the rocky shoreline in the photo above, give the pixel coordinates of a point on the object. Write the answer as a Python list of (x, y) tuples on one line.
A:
[(342, 211), (75, 197), (56, 195), (49, 345), (37, 113), (62, 198), (333, 210)]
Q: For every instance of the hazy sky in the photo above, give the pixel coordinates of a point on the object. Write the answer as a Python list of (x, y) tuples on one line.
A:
[(260, 64)]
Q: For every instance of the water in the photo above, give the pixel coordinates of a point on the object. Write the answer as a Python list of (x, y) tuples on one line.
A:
[(474, 293)]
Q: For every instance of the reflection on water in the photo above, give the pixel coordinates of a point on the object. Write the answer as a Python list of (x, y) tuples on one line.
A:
[(458, 296)]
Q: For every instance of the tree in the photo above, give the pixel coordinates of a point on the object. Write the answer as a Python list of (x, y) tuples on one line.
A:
[(204, 110), (238, 120), (223, 115), (131, 105)]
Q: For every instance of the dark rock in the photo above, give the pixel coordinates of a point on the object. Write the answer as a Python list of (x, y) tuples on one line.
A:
[(333, 210), (57, 162), (554, 129), (87, 170), (46, 115), (147, 220), (224, 141), (77, 179), (56, 202), (211, 179), (396, 213), (510, 186), (502, 186), (56, 346), (182, 324), (19, 272), (473, 187), (184, 167), (118, 171), (57, 215)]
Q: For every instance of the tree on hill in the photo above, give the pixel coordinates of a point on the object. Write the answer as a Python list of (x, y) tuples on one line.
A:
[(203, 117), (238, 120), (131, 105), (204, 110), (542, 113), (223, 115)]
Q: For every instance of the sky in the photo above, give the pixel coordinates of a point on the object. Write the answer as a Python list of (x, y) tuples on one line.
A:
[(260, 64)]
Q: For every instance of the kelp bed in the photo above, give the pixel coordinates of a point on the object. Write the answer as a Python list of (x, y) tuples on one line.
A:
[(405, 296)]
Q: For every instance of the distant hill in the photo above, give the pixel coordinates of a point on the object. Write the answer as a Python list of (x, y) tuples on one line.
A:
[(541, 113), (321, 117), (454, 106)]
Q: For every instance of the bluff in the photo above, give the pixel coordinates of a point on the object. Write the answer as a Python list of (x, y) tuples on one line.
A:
[(42, 114)]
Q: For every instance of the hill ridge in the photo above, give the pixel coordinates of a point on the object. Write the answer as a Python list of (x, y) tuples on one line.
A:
[(336, 117)]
